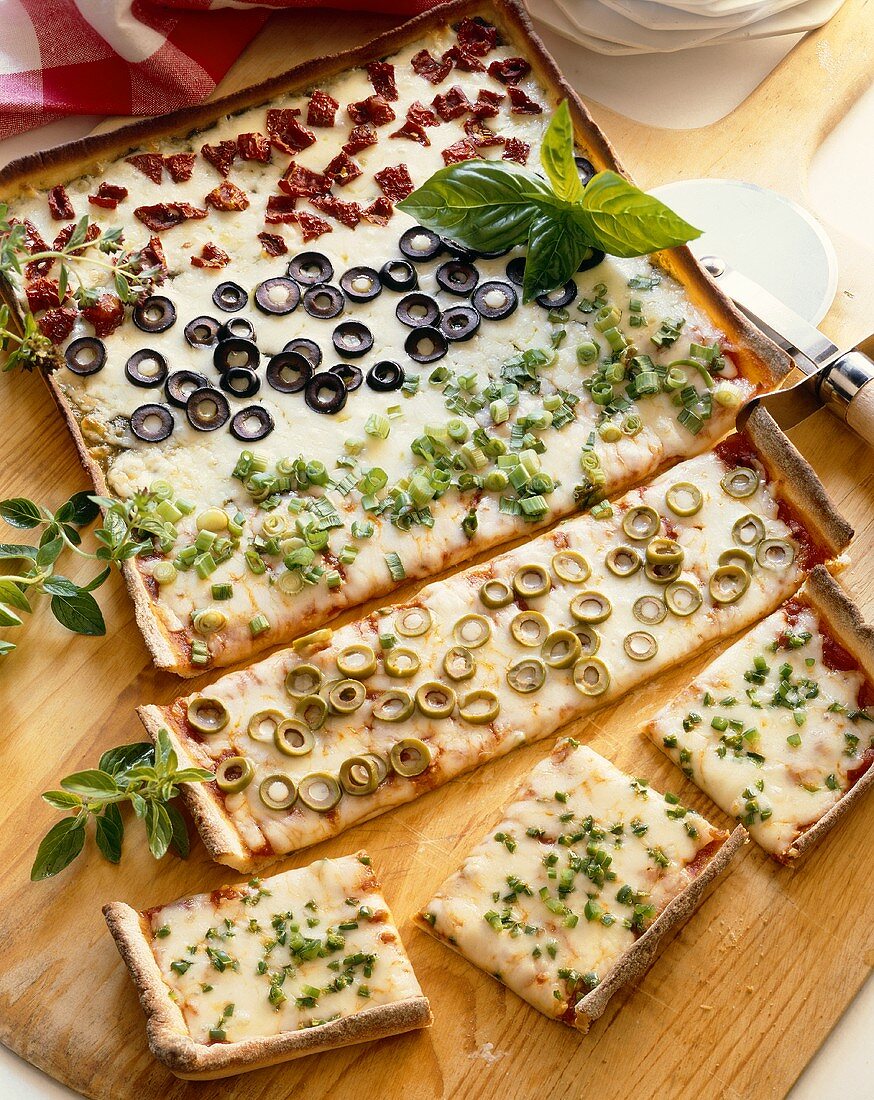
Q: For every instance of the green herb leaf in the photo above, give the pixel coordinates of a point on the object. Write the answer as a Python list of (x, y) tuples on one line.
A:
[(12, 551), (179, 841), (119, 760), (90, 782), (59, 847), (84, 509), (624, 221), (97, 581), (556, 247), (20, 512), (159, 829), (11, 594), (62, 800), (60, 586), (8, 617), (110, 833), (6, 647), (557, 155), (80, 613)]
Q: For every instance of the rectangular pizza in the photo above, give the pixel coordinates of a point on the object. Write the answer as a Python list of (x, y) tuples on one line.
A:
[(568, 897), (300, 396), (778, 729), (269, 970), (350, 722)]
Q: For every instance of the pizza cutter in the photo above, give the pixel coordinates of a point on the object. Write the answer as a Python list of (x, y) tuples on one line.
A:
[(838, 380)]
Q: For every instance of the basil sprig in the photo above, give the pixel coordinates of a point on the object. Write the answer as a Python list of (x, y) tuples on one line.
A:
[(489, 206)]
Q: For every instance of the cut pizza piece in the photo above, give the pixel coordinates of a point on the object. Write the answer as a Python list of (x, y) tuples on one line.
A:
[(779, 730), (567, 899), (269, 970), (350, 722)]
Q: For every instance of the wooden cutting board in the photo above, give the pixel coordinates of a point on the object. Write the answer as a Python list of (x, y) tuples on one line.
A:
[(737, 1002)]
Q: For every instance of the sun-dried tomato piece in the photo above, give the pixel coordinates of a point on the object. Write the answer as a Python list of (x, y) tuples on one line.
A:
[(348, 213), (211, 256), (108, 196), (164, 215), (63, 238), (227, 196), (360, 138), (273, 244), (381, 75), (322, 109), (395, 183), (379, 211), (452, 104), (412, 131), (106, 314), (253, 146), (517, 150), (220, 156), (422, 116), (463, 61), (281, 208), (375, 109), (521, 104), (510, 70), (59, 204), (303, 182), (312, 226), (432, 69), (459, 151), (286, 132), (476, 36), (180, 166), (343, 169), (57, 324), (152, 255), (43, 293), (481, 135), (150, 164), (33, 242), (486, 105)]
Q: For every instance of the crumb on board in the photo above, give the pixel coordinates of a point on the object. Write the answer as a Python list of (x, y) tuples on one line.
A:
[(488, 1054)]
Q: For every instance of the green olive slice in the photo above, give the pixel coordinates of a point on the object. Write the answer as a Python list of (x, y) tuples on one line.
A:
[(684, 499), (410, 757), (663, 572), (683, 597), (531, 580), (736, 555), (591, 676), (649, 610), (664, 552), (728, 583), (293, 738), (640, 645), (346, 696), (526, 675), (590, 639), (207, 715), (495, 593), (590, 607), (529, 628), (303, 680), (740, 482), (748, 530), (277, 792), (319, 791), (394, 705), (571, 566), (357, 660), (479, 707), (435, 700), (775, 553), (641, 522), (459, 663), (622, 561), (359, 775), (234, 774), (380, 763), (311, 709), (472, 631), (401, 662), (262, 725), (412, 622), (561, 648)]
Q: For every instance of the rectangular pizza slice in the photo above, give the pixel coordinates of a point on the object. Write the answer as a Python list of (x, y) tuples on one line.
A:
[(301, 398), (269, 970), (350, 722), (567, 899), (778, 730)]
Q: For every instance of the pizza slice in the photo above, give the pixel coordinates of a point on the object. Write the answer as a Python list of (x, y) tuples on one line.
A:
[(779, 730), (567, 899), (350, 722), (262, 972)]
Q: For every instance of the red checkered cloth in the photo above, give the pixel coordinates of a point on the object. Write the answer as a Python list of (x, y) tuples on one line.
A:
[(129, 57)]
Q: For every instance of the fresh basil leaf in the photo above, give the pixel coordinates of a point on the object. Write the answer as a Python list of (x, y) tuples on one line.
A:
[(556, 247), (59, 847), (62, 800), (97, 581), (110, 833), (20, 512), (139, 804), (624, 221), (11, 594), (8, 617), (192, 775), (124, 757), (60, 586), (90, 783), (12, 551), (159, 829), (80, 613), (179, 841), (557, 155), (84, 509)]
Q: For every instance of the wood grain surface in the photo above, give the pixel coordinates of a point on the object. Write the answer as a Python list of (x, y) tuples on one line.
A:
[(738, 1000)]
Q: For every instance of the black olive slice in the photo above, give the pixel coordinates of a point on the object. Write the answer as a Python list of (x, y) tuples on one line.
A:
[(495, 300), (496, 254), (417, 309), (202, 332), (351, 375), (181, 384), (151, 423), (236, 351), (309, 349), (288, 372), (207, 409), (323, 301), (251, 424), (237, 326), (459, 251), (310, 268), (420, 244), (559, 298), (326, 392), (240, 382), (154, 314), (361, 284), (594, 257), (278, 295), (426, 344), (352, 339), (230, 297), (459, 323), (585, 168), (87, 355), (398, 275), (457, 277), (385, 376), (146, 368), (516, 270)]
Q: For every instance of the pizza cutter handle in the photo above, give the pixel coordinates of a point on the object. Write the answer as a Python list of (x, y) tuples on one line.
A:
[(847, 388)]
